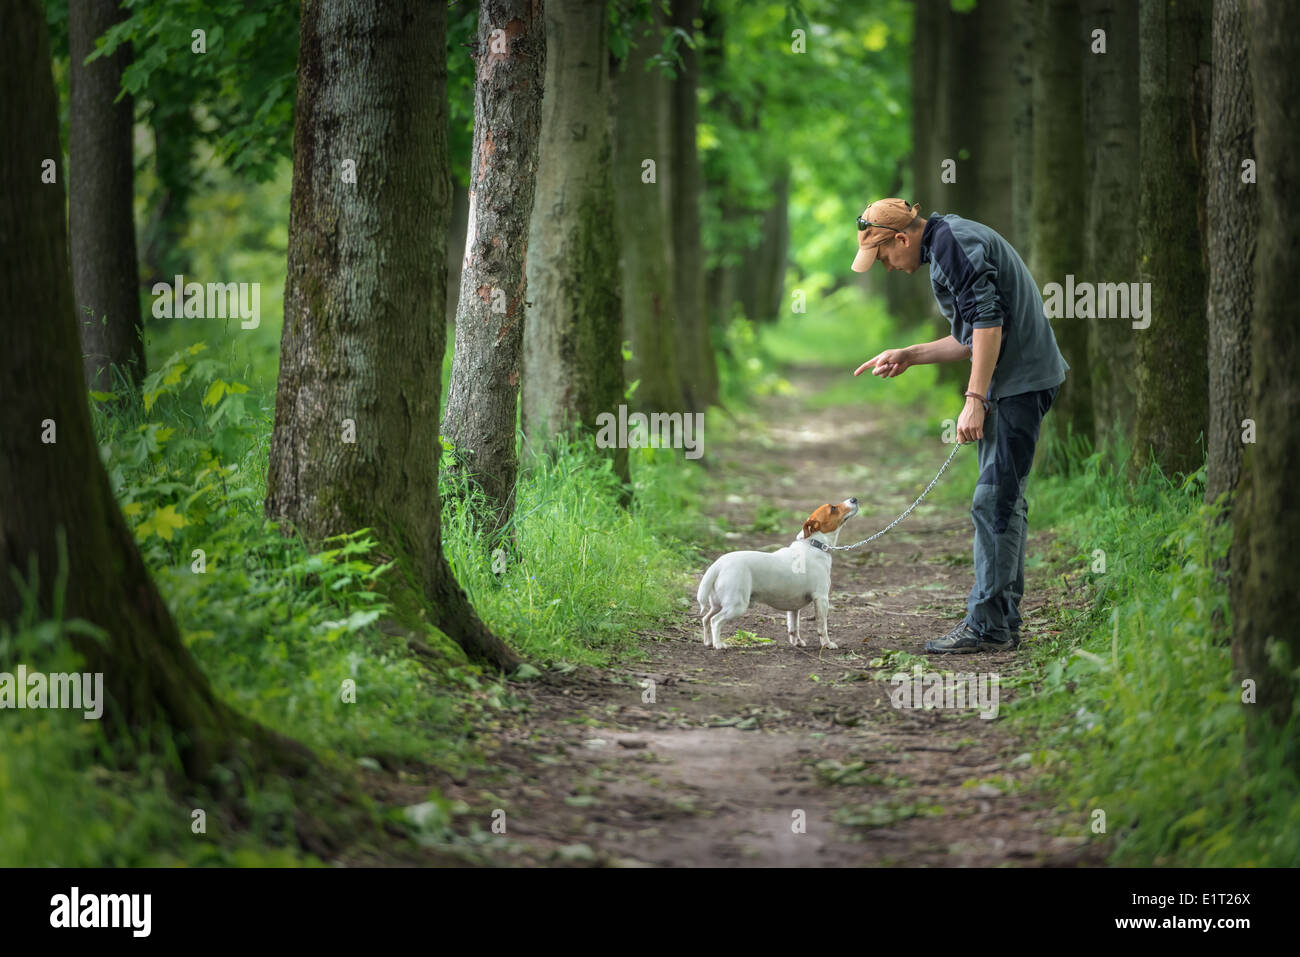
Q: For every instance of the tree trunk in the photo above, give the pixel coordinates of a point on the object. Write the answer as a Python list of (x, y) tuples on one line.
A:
[(1266, 646), (1172, 381), (649, 301), (962, 130), (1111, 117), (456, 248), (925, 89), (996, 87), (1059, 201), (762, 283), (698, 365), (957, 137), (64, 533), (573, 360), (1233, 216), (356, 414), (1021, 23), (101, 177), (483, 401), (913, 302)]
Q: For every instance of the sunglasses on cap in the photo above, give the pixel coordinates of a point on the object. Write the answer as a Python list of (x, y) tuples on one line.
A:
[(863, 224)]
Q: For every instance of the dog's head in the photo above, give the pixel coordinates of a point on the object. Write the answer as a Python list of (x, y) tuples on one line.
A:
[(827, 518)]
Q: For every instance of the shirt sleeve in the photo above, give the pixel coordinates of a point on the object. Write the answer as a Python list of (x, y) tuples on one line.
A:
[(975, 283)]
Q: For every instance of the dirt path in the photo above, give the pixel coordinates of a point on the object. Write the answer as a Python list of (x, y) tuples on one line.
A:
[(739, 746)]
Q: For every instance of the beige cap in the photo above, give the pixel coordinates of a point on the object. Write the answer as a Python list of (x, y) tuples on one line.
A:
[(885, 217)]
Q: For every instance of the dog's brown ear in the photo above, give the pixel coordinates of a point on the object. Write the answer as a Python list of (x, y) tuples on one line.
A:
[(810, 526)]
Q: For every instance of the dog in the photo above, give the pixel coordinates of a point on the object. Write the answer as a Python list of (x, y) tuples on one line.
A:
[(787, 579)]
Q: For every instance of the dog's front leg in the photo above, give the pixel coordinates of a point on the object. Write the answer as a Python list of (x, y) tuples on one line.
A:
[(792, 628), (823, 607)]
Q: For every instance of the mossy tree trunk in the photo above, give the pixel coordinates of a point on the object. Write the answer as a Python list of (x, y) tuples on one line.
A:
[(483, 400), (101, 177), (573, 360), (1266, 643), (1172, 381), (649, 299), (356, 413), (1233, 218), (995, 88), (699, 369), (762, 276), (1060, 195), (1020, 20), (60, 528), (1111, 118)]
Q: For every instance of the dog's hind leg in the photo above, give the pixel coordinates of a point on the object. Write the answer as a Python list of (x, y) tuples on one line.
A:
[(723, 616), (712, 607)]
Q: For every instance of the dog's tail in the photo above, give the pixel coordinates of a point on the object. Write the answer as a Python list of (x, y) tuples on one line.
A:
[(706, 587)]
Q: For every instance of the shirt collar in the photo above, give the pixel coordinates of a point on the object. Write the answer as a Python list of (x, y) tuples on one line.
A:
[(927, 237)]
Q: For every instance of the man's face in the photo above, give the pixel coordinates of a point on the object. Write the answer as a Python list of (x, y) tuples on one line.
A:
[(901, 252)]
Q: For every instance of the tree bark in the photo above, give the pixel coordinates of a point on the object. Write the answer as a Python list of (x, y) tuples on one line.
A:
[(1233, 217), (483, 401), (456, 249), (1172, 381), (762, 284), (1111, 118), (649, 300), (993, 163), (356, 414), (101, 177), (60, 527), (1266, 644), (1020, 21), (698, 364), (957, 137), (573, 360), (1059, 201)]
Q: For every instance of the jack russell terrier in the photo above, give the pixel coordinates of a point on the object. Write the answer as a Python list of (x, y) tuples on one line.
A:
[(787, 579)]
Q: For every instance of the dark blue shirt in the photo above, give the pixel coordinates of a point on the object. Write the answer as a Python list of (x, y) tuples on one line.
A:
[(979, 282)]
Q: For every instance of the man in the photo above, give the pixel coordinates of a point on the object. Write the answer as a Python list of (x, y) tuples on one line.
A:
[(995, 310)]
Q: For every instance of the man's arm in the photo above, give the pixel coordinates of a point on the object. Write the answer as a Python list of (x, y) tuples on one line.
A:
[(985, 344), (893, 362), (946, 349)]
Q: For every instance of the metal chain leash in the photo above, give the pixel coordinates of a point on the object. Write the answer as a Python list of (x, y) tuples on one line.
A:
[(943, 468)]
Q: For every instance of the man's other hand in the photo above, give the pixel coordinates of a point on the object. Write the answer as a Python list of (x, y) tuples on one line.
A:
[(970, 424)]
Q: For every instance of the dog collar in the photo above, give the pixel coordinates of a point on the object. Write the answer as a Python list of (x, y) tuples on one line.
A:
[(816, 544)]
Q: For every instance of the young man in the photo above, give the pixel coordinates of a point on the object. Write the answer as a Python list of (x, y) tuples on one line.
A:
[(995, 310)]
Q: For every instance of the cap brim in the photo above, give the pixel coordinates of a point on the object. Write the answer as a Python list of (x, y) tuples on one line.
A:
[(865, 257)]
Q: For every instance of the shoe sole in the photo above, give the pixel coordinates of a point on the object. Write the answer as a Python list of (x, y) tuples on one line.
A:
[(966, 650), (999, 645)]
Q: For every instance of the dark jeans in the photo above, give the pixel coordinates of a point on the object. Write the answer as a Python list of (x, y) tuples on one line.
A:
[(1000, 512)]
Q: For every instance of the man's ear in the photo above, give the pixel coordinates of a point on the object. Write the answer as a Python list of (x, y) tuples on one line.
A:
[(810, 526)]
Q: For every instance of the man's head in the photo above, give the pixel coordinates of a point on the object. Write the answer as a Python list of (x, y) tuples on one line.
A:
[(889, 230)]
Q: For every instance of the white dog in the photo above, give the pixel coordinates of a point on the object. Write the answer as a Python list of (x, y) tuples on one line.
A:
[(787, 579)]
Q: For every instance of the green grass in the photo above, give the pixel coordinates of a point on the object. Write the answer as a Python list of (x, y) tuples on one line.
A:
[(1135, 702), (283, 631), (582, 574)]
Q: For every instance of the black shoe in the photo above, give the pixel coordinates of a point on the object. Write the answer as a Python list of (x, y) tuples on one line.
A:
[(1011, 643), (960, 641)]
